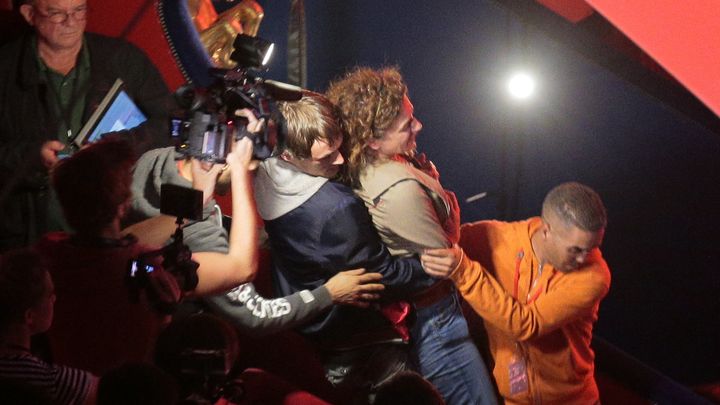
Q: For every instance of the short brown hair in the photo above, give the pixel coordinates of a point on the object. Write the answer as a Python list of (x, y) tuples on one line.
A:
[(312, 118), (93, 183), (577, 205), (368, 101)]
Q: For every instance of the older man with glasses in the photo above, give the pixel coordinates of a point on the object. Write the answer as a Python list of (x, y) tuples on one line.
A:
[(50, 83)]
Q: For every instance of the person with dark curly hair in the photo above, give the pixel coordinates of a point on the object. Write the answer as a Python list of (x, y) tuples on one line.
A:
[(99, 322), (412, 212)]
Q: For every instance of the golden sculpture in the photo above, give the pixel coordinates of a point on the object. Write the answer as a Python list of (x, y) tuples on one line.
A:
[(217, 32)]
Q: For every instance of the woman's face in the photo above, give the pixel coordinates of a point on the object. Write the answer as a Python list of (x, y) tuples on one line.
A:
[(400, 136)]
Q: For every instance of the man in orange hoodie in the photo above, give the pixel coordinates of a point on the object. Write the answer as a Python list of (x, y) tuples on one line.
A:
[(537, 284)]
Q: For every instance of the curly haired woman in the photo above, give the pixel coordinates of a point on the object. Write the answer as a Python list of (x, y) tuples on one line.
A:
[(412, 212)]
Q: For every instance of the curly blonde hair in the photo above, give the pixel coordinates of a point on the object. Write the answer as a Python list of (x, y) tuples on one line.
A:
[(367, 101)]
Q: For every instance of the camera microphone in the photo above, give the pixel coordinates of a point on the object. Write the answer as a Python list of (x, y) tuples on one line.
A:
[(282, 91)]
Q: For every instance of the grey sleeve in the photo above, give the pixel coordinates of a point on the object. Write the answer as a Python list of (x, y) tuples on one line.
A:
[(258, 316)]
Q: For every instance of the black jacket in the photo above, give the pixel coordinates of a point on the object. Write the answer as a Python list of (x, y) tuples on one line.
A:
[(27, 121), (331, 232)]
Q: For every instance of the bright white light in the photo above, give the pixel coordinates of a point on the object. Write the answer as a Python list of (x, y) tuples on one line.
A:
[(268, 54), (521, 86)]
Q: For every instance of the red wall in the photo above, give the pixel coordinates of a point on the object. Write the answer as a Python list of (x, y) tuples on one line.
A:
[(138, 22), (682, 36)]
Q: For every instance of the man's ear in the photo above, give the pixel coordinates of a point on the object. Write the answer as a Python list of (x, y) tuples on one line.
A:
[(545, 228), (29, 317), (27, 12), (285, 155)]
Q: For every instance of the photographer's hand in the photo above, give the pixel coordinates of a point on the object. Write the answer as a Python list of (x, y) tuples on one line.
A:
[(204, 177), (241, 156), (254, 125), (355, 287), (164, 289)]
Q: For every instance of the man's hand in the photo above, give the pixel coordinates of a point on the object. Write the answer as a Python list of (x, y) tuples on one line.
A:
[(254, 125), (49, 152), (355, 287), (164, 289), (441, 262), (204, 177), (241, 156)]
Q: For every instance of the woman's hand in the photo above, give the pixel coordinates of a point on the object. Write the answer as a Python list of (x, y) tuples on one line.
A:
[(427, 166)]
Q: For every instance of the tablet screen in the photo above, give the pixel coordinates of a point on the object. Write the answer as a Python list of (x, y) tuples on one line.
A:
[(121, 114)]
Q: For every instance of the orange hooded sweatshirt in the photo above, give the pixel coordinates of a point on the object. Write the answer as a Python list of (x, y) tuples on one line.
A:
[(543, 337)]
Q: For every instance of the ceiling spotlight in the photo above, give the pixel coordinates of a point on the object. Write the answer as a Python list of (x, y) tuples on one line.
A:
[(521, 86)]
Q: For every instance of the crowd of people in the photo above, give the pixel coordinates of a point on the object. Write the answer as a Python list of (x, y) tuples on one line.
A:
[(370, 263)]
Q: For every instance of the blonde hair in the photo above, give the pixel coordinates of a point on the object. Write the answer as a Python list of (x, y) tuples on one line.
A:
[(368, 101), (312, 118)]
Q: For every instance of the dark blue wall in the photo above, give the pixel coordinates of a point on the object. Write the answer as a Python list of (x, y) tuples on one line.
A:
[(657, 172)]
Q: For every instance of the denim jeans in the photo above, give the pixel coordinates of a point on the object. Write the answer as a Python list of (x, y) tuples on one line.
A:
[(447, 357)]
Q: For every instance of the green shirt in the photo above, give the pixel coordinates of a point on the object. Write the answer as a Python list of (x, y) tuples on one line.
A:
[(66, 95), (66, 99)]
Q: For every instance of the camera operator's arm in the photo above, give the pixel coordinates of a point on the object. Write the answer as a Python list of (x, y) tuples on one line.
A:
[(220, 272), (152, 231)]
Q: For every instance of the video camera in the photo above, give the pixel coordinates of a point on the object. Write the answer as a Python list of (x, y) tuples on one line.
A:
[(205, 370), (182, 203), (210, 125)]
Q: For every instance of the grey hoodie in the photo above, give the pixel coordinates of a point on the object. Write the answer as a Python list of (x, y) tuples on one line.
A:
[(242, 305)]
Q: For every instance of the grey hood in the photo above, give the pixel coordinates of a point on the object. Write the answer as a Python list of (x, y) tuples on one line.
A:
[(280, 187), (155, 168)]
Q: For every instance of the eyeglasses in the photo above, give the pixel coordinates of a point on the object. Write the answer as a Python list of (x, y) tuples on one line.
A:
[(59, 17)]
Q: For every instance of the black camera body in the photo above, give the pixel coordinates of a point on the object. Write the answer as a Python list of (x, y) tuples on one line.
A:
[(209, 125), (183, 203)]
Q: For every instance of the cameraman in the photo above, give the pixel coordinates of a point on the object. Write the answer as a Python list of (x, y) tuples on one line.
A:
[(98, 325), (243, 306)]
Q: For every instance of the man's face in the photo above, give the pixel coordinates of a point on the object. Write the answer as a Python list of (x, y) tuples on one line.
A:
[(324, 161), (567, 247), (59, 23), (400, 137)]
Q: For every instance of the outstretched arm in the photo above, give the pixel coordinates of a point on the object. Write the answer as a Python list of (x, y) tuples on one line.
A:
[(350, 240), (574, 294), (220, 272)]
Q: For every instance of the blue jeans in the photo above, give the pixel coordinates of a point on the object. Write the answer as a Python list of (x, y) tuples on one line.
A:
[(447, 357)]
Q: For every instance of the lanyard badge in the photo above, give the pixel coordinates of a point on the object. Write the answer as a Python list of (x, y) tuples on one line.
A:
[(517, 372)]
